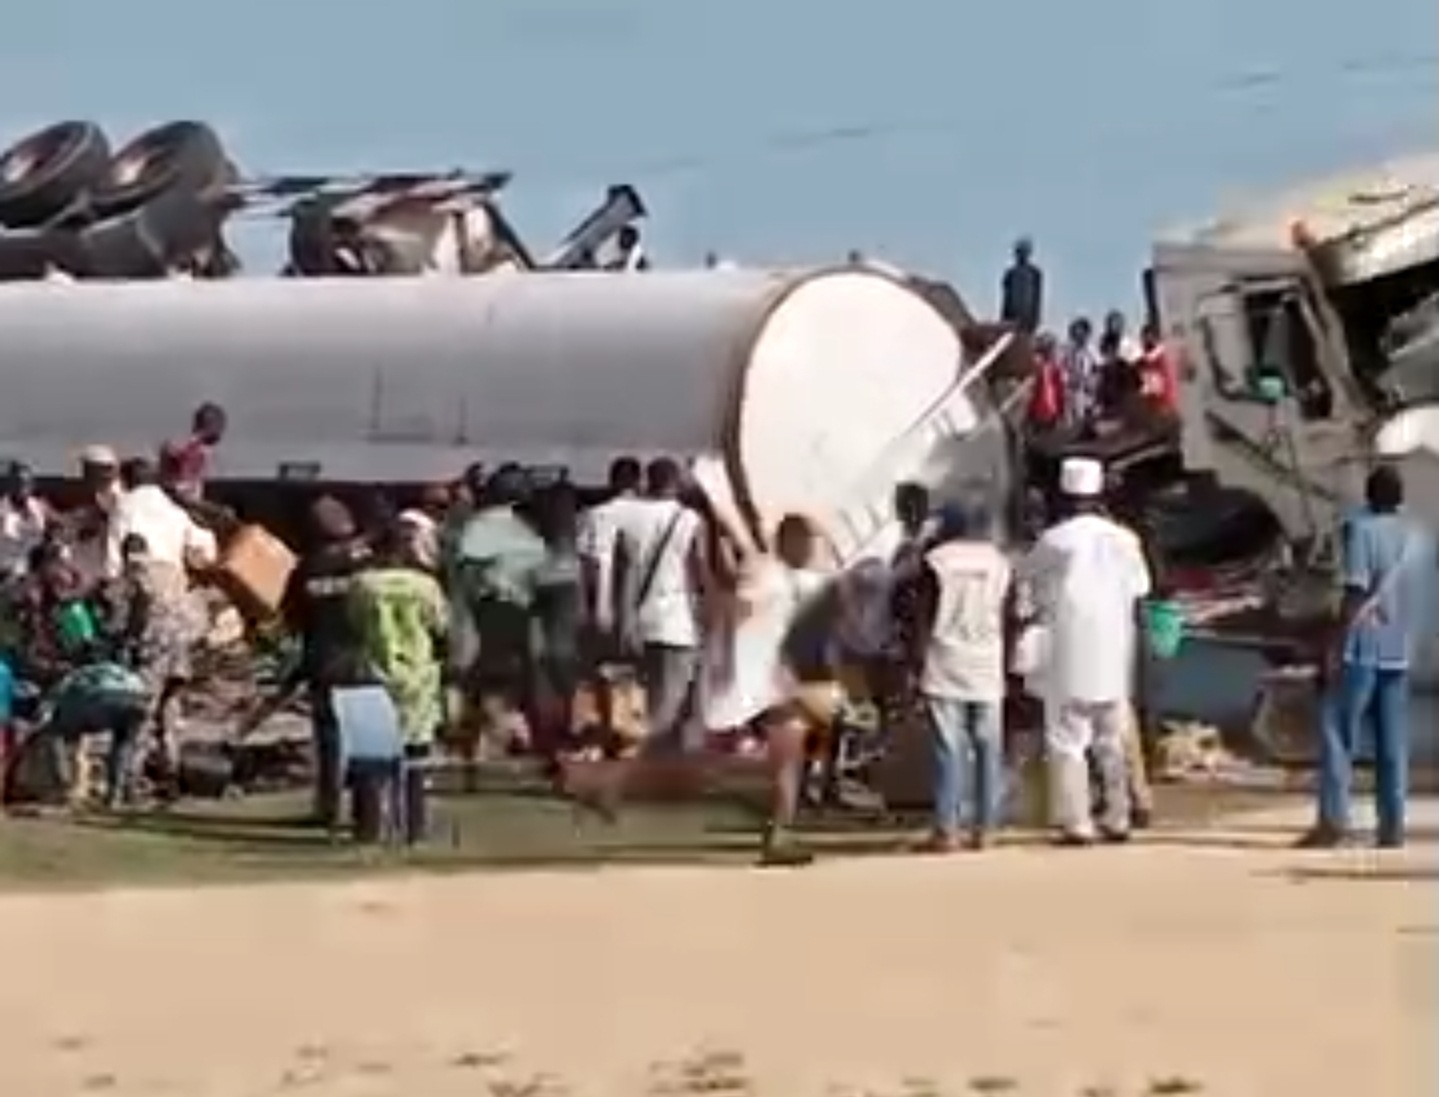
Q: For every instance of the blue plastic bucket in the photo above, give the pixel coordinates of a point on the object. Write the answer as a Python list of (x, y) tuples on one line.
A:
[(1164, 627)]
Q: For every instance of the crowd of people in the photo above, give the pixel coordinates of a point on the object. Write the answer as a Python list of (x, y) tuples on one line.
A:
[(98, 612), (1082, 381), (502, 614), (492, 607), (522, 601)]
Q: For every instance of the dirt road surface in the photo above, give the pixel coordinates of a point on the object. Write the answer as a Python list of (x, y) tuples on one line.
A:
[(1212, 968)]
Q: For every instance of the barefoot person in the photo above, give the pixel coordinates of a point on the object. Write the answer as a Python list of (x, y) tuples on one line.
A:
[(780, 682), (768, 673)]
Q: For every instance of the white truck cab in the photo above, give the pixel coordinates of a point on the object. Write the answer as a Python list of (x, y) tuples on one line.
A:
[(1307, 325)]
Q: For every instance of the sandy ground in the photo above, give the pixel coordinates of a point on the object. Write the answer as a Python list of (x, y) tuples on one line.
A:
[(1241, 968)]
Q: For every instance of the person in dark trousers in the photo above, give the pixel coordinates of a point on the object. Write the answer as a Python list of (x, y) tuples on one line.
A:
[(317, 608), (558, 616), (1387, 566), (1022, 290), (492, 596)]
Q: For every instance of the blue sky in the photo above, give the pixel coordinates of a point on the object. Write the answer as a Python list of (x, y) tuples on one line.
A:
[(926, 131)]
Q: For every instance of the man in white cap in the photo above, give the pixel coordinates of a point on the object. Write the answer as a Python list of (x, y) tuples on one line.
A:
[(96, 550), (1085, 575)]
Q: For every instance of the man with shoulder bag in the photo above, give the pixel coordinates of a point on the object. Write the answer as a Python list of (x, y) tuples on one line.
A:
[(659, 568)]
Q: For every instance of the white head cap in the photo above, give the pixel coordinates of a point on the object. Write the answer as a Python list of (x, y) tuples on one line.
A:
[(416, 519), (1081, 477), (99, 456)]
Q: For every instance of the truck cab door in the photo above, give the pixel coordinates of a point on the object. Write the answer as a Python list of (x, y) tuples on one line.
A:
[(1266, 379)]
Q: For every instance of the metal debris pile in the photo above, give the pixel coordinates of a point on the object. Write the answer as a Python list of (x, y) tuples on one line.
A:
[(1191, 752)]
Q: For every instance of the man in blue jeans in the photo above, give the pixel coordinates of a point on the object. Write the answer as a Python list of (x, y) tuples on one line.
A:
[(958, 646), (1387, 561)]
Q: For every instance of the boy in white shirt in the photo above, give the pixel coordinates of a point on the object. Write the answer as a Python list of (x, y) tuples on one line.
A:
[(962, 609)]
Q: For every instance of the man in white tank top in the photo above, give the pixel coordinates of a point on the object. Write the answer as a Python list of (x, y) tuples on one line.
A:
[(962, 610)]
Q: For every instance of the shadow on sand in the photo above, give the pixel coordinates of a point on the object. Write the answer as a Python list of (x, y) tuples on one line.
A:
[(1372, 872)]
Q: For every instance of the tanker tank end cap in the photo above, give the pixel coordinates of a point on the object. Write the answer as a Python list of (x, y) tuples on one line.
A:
[(1081, 477)]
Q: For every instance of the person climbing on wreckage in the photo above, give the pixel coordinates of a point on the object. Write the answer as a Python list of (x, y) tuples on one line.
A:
[(768, 670)]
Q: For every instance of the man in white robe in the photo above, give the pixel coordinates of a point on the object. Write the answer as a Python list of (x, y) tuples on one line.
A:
[(1086, 575)]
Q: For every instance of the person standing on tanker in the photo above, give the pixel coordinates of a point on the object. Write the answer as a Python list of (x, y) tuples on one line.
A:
[(1158, 375), (1086, 575), (1388, 566), (660, 568), (1046, 399), (1080, 366), (1022, 290), (964, 606)]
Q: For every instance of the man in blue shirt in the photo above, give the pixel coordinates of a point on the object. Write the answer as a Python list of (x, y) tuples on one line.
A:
[(1387, 563)]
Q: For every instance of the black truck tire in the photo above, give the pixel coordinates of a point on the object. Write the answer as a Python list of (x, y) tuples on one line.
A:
[(153, 239), (178, 156), (30, 254), (48, 171)]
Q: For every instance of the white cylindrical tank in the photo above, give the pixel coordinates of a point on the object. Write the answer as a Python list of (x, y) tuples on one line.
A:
[(798, 383)]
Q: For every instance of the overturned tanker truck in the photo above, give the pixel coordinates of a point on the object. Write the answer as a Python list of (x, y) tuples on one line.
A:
[(811, 390)]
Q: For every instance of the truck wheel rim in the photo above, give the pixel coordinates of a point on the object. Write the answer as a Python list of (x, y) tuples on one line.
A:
[(17, 165)]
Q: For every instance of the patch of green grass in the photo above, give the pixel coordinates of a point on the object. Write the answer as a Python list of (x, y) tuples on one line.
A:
[(265, 837)]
